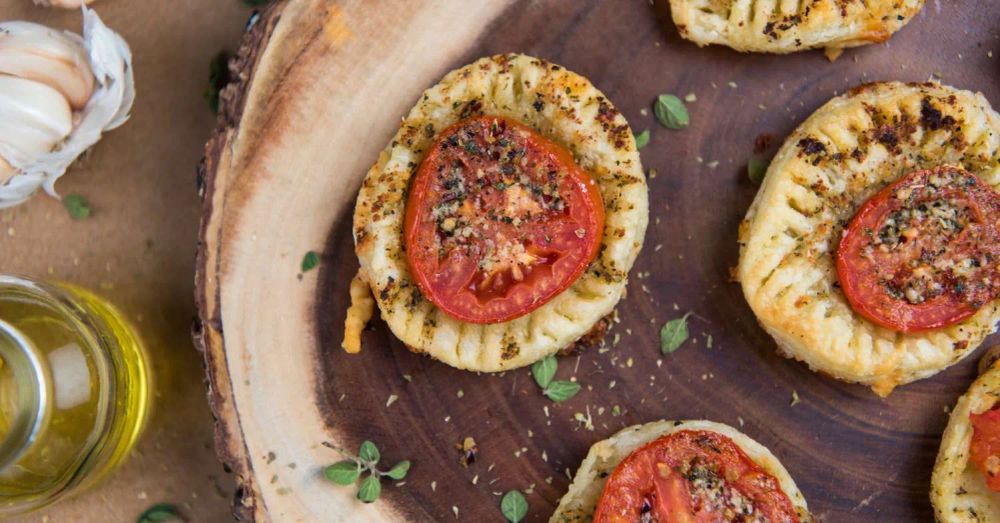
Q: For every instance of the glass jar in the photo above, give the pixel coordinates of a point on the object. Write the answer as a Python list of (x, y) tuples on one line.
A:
[(74, 391)]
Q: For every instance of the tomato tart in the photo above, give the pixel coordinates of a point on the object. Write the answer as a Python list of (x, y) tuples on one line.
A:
[(871, 250), (965, 486), (681, 471), (789, 26), (501, 222)]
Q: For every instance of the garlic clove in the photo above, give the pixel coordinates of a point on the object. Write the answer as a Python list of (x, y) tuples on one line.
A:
[(58, 59), (34, 118)]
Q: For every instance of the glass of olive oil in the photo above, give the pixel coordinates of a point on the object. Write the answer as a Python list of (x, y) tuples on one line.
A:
[(74, 391)]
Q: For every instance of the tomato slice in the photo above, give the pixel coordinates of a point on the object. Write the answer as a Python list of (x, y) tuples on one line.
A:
[(499, 220), (922, 253), (692, 476), (985, 445)]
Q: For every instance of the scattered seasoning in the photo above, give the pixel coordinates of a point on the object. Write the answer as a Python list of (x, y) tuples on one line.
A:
[(513, 506), (756, 169), (77, 206), (310, 261), (544, 371), (392, 399), (673, 334), (642, 139), (795, 398), (671, 112), (218, 77), (691, 97), (469, 451), (160, 512), (348, 471)]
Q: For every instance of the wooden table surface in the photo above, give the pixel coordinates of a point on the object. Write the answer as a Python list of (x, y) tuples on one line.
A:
[(137, 249)]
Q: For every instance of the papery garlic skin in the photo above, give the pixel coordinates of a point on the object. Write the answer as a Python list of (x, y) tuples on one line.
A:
[(109, 62), (68, 4), (56, 58)]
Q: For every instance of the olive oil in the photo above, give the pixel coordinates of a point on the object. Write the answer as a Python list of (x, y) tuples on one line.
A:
[(74, 391)]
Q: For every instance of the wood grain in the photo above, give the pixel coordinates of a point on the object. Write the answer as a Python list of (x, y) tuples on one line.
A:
[(322, 86)]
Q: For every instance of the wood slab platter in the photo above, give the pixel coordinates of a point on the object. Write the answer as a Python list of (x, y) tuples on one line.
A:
[(320, 89)]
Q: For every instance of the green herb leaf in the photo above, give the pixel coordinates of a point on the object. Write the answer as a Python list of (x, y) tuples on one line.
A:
[(671, 112), (558, 391), (160, 512), (343, 473), (642, 139), (369, 453), (756, 169), (399, 471), (255, 3), (673, 334), (370, 489), (77, 206), (513, 506), (544, 370), (310, 261), (218, 77)]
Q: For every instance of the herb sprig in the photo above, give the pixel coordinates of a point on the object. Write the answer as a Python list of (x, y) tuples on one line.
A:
[(348, 471), (544, 372)]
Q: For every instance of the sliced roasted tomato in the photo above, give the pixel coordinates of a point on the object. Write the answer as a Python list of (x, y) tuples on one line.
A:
[(499, 220), (692, 476), (922, 253), (985, 445)]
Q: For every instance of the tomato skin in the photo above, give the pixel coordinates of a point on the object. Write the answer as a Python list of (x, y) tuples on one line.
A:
[(985, 445), (499, 220), (661, 477), (867, 271)]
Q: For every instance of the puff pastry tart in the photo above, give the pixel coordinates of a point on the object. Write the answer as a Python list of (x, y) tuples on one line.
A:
[(785, 26), (871, 250), (965, 486), (681, 471), (500, 224)]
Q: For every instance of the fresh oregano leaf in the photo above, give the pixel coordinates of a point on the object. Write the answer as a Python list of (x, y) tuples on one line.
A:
[(558, 391), (673, 334), (310, 261), (513, 506), (642, 139), (671, 112), (370, 489), (399, 471), (369, 453), (544, 370), (343, 473), (77, 206), (160, 512), (756, 169)]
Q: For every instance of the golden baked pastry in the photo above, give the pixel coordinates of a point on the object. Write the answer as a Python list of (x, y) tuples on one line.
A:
[(787, 26), (847, 151), (959, 491), (581, 501), (565, 109)]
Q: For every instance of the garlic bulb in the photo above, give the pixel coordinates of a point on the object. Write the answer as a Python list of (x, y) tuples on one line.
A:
[(58, 93), (68, 4)]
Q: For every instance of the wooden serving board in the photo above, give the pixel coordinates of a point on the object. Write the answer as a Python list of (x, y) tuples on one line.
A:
[(320, 90)]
